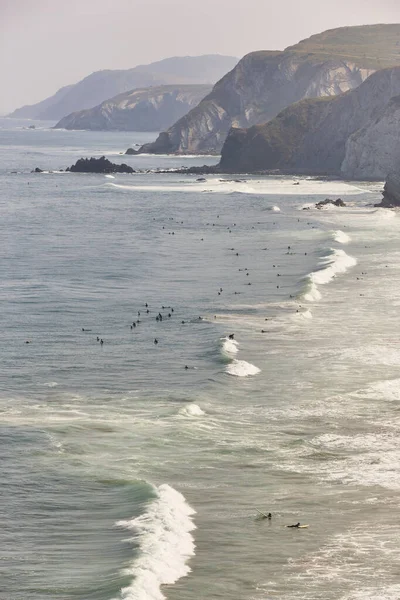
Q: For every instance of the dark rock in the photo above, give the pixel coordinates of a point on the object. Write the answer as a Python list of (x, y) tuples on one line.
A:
[(338, 202), (132, 151), (98, 165), (391, 192), (37, 170)]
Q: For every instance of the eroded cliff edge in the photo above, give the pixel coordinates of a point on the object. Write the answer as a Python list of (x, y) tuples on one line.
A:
[(345, 135), (149, 109), (264, 83)]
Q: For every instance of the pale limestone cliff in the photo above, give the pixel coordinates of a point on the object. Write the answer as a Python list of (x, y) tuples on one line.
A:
[(374, 150), (264, 83), (150, 109), (318, 135), (260, 86)]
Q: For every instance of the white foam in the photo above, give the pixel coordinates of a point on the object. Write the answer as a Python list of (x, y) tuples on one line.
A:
[(391, 592), (230, 346), (266, 186), (241, 368), (191, 410), (50, 384), (336, 262), (110, 176), (312, 294), (360, 560), (274, 208), (341, 237), (166, 543), (369, 459)]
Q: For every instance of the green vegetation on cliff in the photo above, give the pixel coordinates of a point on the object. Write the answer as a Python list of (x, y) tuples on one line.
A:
[(372, 46)]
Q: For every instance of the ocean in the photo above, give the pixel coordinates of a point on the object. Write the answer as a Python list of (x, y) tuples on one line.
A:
[(134, 468)]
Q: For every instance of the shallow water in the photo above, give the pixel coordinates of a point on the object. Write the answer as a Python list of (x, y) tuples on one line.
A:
[(126, 475)]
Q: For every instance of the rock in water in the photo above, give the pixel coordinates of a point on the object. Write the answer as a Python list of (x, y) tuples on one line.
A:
[(338, 202), (391, 192), (98, 165)]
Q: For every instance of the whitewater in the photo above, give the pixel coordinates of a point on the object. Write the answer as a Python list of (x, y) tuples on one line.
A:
[(133, 469)]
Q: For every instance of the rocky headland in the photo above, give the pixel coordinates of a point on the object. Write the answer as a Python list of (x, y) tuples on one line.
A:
[(355, 135), (101, 85), (149, 109), (264, 83)]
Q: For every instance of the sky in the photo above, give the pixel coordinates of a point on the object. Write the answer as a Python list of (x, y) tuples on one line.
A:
[(46, 44)]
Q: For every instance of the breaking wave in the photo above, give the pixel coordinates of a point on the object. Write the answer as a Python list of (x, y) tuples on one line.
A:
[(241, 368), (191, 410), (166, 543), (341, 237), (337, 261), (229, 347)]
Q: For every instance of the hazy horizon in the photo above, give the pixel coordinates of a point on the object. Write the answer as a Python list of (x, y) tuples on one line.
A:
[(50, 44)]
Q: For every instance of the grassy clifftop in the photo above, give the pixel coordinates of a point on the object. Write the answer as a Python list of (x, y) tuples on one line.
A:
[(372, 46)]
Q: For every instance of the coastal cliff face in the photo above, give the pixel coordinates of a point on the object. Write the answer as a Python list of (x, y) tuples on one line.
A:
[(150, 109), (101, 85), (264, 83), (374, 150), (328, 135)]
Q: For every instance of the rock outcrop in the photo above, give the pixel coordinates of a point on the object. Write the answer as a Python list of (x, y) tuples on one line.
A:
[(98, 165), (101, 85), (391, 192), (318, 136), (264, 83), (150, 109), (328, 202)]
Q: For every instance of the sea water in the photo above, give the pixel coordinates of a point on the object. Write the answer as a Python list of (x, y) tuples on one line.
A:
[(133, 469)]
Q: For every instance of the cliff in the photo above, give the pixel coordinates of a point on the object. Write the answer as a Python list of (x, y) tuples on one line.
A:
[(150, 109), (374, 150), (264, 83), (101, 85), (322, 135)]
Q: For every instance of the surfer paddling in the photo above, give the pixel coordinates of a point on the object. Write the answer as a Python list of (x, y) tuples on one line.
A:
[(263, 515)]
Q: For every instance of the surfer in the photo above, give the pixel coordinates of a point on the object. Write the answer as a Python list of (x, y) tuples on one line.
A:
[(297, 525), (263, 515), (231, 336)]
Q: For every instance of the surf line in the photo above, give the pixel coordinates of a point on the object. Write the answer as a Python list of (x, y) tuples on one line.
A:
[(235, 367), (333, 263), (166, 543)]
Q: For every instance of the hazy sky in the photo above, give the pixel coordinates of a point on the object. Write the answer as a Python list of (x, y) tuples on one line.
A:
[(45, 44)]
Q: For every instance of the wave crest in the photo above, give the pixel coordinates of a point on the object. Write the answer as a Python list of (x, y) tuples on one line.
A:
[(241, 368), (165, 545), (337, 261)]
